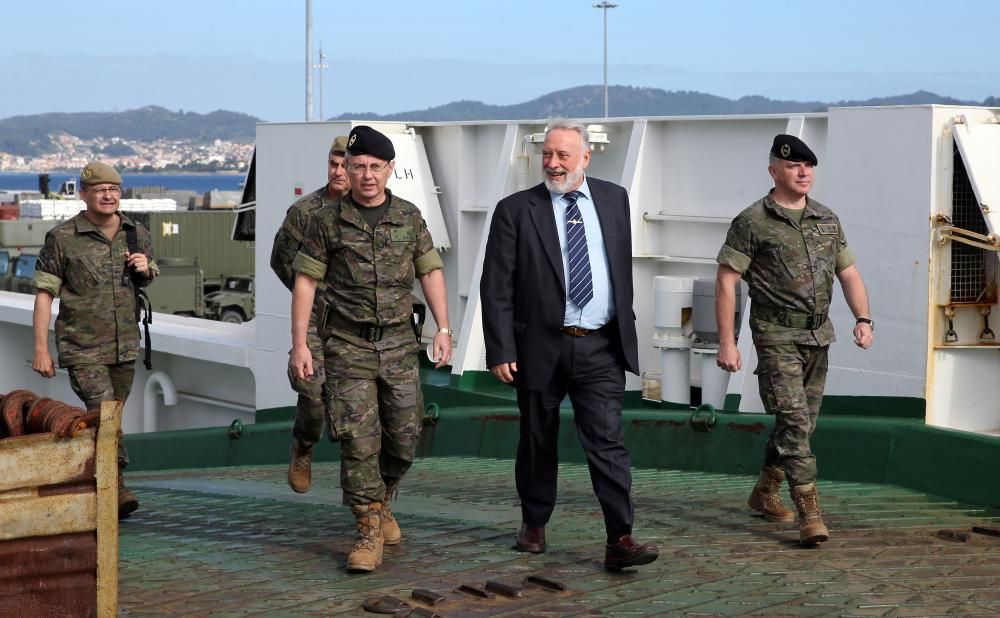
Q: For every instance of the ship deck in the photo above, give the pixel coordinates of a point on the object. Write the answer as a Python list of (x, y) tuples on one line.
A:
[(237, 541)]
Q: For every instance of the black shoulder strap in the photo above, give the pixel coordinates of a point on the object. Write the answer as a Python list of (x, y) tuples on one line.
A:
[(143, 308), (147, 309), (132, 238)]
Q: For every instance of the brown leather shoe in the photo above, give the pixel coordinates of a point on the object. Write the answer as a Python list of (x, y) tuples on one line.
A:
[(531, 540), (626, 553)]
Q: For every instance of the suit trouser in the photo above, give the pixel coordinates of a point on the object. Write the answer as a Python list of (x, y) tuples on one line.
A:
[(94, 384), (589, 370)]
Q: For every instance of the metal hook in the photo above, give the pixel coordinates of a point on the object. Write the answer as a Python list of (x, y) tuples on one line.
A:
[(703, 418), (950, 336), (987, 333)]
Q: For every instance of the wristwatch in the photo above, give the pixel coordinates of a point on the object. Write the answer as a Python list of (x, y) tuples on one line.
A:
[(446, 331), (867, 321)]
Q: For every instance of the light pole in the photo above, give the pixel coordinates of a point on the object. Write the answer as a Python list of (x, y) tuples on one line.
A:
[(309, 45), (605, 5), (321, 66)]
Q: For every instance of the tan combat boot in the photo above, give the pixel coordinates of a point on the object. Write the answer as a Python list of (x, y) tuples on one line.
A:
[(300, 468), (127, 502), (766, 496), (391, 533), (367, 552), (812, 530)]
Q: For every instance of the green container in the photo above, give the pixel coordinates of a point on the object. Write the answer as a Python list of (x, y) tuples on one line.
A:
[(202, 234)]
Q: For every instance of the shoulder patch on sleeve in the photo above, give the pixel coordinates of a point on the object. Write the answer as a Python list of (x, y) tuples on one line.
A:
[(50, 283), (427, 262)]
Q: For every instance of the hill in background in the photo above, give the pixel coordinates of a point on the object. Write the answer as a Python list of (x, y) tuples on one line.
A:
[(626, 101), (36, 135)]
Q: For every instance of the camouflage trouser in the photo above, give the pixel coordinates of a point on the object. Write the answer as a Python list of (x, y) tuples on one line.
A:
[(96, 383), (377, 409), (791, 379), (310, 407)]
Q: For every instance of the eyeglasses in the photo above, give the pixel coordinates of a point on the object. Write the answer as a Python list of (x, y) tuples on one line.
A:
[(358, 168), (112, 190)]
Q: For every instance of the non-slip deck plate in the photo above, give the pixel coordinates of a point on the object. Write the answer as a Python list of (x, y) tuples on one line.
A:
[(238, 541)]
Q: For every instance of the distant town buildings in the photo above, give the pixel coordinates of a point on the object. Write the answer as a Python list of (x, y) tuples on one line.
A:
[(129, 155)]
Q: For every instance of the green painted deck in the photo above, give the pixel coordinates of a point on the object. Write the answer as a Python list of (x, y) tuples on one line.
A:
[(237, 541)]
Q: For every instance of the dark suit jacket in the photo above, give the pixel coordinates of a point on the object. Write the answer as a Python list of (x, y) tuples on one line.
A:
[(523, 288)]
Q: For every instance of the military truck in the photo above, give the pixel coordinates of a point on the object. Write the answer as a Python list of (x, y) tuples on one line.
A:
[(22, 268), (180, 287), (183, 285), (4, 268), (179, 290), (20, 242), (16, 272), (234, 302)]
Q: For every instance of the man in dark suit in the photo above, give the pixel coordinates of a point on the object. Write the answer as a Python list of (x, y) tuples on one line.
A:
[(556, 295)]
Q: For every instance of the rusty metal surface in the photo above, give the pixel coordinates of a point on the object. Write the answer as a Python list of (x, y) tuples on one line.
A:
[(47, 559), (238, 541), (66, 459), (48, 576), (50, 554)]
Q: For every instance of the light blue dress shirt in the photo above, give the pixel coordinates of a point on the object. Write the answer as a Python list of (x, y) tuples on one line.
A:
[(601, 308)]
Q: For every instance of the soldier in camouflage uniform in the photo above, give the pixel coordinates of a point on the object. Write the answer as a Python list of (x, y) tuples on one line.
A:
[(310, 408), (86, 264), (789, 248), (367, 248)]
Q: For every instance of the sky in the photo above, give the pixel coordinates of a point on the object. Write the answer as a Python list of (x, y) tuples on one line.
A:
[(400, 55)]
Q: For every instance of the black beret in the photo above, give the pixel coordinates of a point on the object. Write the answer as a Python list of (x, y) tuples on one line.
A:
[(791, 148), (365, 140)]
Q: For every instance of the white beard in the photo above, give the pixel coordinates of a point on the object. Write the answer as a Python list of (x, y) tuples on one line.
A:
[(568, 183)]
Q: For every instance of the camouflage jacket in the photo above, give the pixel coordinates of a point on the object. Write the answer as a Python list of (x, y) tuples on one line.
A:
[(790, 267), (288, 240), (80, 266), (369, 273)]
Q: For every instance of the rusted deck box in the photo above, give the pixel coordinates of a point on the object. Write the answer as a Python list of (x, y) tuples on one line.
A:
[(59, 522)]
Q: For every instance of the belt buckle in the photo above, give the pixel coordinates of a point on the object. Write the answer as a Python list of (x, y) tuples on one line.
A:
[(812, 321), (371, 334)]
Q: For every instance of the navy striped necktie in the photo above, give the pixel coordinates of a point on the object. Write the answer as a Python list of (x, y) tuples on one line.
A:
[(581, 283)]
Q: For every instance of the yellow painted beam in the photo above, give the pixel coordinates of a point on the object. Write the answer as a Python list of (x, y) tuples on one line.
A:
[(47, 515), (107, 509)]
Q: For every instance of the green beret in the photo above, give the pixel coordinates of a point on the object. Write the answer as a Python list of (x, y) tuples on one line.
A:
[(96, 173), (339, 145), (365, 140), (791, 148)]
